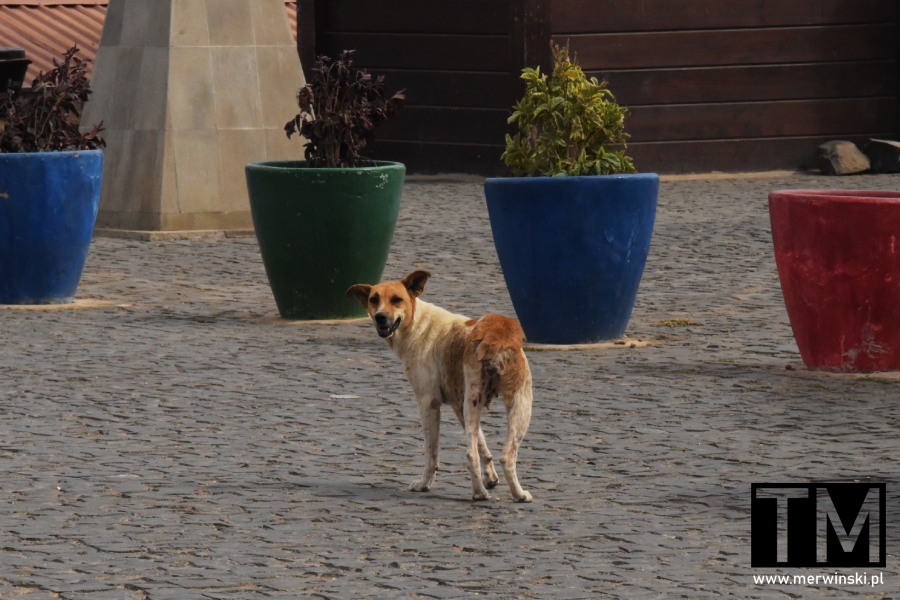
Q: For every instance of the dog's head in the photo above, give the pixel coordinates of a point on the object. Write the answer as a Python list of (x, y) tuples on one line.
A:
[(391, 304)]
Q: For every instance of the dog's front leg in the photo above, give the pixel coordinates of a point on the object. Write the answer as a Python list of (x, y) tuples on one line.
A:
[(430, 416)]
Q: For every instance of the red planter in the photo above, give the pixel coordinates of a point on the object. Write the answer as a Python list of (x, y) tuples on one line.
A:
[(838, 257)]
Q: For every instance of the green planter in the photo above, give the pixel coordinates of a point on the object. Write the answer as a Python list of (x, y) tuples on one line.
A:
[(322, 230)]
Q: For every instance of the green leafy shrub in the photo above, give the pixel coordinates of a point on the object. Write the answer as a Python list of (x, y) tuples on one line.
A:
[(568, 124)]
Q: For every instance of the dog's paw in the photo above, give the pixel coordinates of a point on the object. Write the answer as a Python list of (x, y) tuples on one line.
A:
[(480, 497), (420, 486), (491, 479), (525, 497)]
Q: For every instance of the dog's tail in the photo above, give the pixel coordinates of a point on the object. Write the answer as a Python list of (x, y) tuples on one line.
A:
[(495, 349), (495, 342)]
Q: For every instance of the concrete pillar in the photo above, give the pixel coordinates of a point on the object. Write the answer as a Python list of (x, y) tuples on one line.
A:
[(190, 91)]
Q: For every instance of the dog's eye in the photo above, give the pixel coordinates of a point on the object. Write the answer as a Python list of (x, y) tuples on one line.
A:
[(396, 300), (374, 300)]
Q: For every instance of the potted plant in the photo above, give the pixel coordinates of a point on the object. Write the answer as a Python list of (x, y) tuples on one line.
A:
[(839, 266), (50, 174), (572, 227), (326, 223)]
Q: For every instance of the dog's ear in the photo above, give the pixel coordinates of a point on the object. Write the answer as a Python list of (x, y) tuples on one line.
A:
[(415, 282), (360, 291)]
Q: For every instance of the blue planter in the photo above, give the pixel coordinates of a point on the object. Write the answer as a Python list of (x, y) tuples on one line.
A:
[(573, 250), (48, 206)]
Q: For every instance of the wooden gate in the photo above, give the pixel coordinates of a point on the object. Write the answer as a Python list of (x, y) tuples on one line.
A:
[(743, 85)]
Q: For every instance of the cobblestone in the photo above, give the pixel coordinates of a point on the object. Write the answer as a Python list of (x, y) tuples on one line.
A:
[(169, 437)]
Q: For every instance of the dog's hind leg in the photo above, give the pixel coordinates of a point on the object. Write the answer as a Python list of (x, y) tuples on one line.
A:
[(491, 479), (472, 405), (473, 457), (518, 412)]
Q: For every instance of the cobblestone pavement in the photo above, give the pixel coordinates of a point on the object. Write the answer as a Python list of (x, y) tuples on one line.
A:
[(169, 437)]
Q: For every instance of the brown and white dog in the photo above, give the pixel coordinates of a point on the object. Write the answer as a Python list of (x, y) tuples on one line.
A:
[(451, 359)]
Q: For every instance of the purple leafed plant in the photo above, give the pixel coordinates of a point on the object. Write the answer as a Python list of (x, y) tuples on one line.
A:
[(340, 107), (46, 117)]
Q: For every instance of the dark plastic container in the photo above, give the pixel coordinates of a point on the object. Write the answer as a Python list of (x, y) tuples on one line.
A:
[(13, 66)]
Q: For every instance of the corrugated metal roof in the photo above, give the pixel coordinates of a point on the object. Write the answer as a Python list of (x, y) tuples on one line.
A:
[(47, 28)]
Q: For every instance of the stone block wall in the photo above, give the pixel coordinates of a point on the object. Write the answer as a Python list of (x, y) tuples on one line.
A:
[(189, 92)]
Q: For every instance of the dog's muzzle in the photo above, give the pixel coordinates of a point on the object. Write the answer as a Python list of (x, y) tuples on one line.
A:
[(383, 325)]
